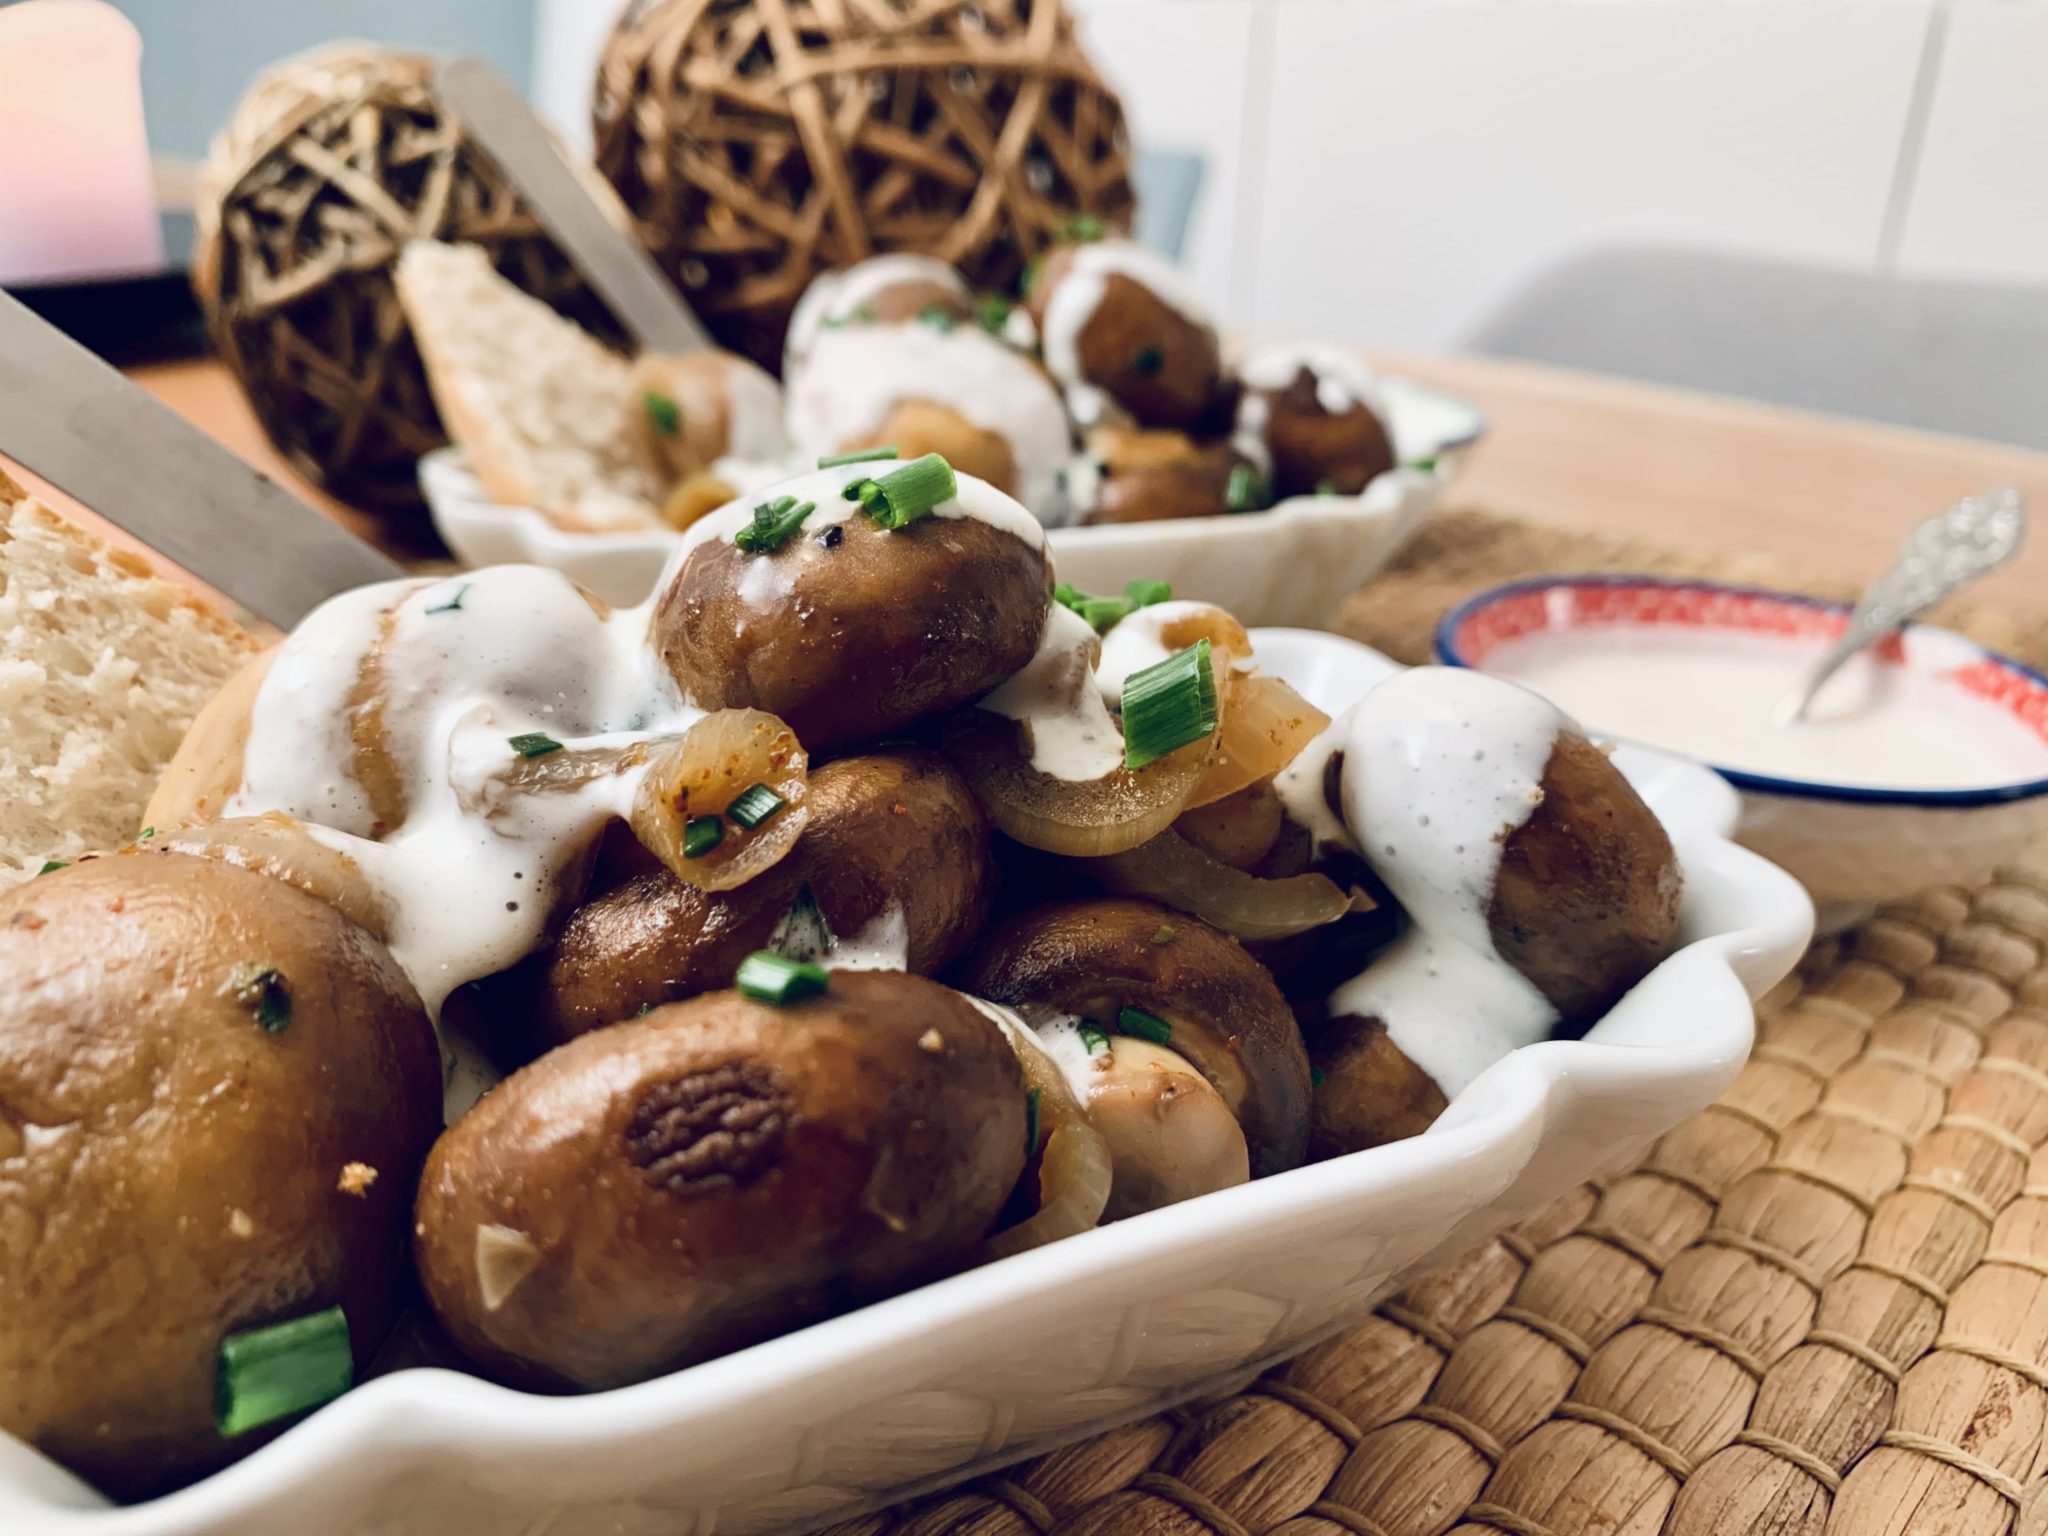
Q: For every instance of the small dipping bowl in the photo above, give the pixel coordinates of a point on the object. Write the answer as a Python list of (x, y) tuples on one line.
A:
[(1696, 667)]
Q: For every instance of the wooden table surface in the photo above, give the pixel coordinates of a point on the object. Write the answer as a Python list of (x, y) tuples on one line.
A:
[(1823, 494)]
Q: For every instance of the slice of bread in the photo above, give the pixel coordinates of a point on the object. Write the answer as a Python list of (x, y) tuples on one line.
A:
[(543, 409), (102, 666)]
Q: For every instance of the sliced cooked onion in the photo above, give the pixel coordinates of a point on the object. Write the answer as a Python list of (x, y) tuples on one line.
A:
[(718, 759), (1172, 870), (1077, 818), (277, 846), (1264, 726), (1073, 1162)]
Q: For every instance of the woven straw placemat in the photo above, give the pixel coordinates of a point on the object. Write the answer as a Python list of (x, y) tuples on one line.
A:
[(1821, 1305)]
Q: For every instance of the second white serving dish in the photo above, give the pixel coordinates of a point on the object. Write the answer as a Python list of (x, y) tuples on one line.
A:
[(1008, 1360), (1289, 564)]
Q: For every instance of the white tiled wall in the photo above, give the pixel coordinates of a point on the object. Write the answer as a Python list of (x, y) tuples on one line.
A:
[(1391, 169)]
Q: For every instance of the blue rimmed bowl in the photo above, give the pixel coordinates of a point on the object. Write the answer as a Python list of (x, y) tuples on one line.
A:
[(1850, 844)]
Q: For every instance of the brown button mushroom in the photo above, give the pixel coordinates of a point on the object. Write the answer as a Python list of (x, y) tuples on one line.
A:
[(718, 1172), (1320, 431), (870, 630), (893, 836), (1221, 1011), (1110, 319), (692, 410), (1135, 476), (215, 1095), (1586, 900), (1536, 885)]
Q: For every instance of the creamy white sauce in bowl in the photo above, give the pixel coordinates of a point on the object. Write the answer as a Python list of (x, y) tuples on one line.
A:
[(1924, 764), (1696, 668)]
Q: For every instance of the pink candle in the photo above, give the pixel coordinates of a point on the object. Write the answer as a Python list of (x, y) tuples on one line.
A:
[(75, 193)]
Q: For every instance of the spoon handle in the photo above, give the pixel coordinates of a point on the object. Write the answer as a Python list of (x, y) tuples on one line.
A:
[(1976, 535)]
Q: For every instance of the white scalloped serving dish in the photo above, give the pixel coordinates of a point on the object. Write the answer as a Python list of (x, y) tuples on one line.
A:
[(1290, 564), (1006, 1361)]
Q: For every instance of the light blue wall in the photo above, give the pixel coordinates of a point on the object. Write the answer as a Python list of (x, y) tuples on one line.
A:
[(198, 55)]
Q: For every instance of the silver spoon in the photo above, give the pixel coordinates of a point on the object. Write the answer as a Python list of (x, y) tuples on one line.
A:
[(1951, 549)]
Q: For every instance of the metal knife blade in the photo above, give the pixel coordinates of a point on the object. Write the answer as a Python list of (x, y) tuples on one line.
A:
[(498, 117), (80, 425)]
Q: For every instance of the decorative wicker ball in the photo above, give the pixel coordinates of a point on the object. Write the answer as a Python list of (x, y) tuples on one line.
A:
[(333, 161), (760, 142)]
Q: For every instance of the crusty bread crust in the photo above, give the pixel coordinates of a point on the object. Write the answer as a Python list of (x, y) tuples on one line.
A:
[(540, 406)]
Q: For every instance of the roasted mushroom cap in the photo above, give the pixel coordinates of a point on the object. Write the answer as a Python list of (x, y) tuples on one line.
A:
[(894, 862), (717, 1172), (1139, 476), (1158, 362), (1578, 900), (690, 411), (869, 629), (1093, 959), (1367, 1092), (215, 1095), (1586, 901), (1313, 448), (918, 427)]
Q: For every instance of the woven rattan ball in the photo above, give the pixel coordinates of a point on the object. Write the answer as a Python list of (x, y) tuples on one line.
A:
[(760, 142), (331, 163)]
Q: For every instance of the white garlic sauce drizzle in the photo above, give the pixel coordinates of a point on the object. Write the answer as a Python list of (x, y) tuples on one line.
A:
[(1072, 305), (465, 665), (1058, 697), (882, 944), (1139, 641), (1343, 378), (851, 378), (1440, 766), (837, 298)]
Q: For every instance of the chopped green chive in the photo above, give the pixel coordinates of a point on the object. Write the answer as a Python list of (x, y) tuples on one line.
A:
[(1144, 591), (1083, 226), (754, 805), (1327, 487), (145, 834), (1243, 493), (1316, 1076), (1102, 613), (643, 1010), (865, 456), (767, 977), (904, 495), (535, 744), (1093, 1037), (1028, 279), (701, 834), (454, 604), (1147, 362), (1169, 704), (267, 1374), (994, 313), (938, 317), (51, 866), (663, 414), (1424, 466), (1031, 1123), (263, 992), (774, 522), (1163, 934), (1146, 1026)]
